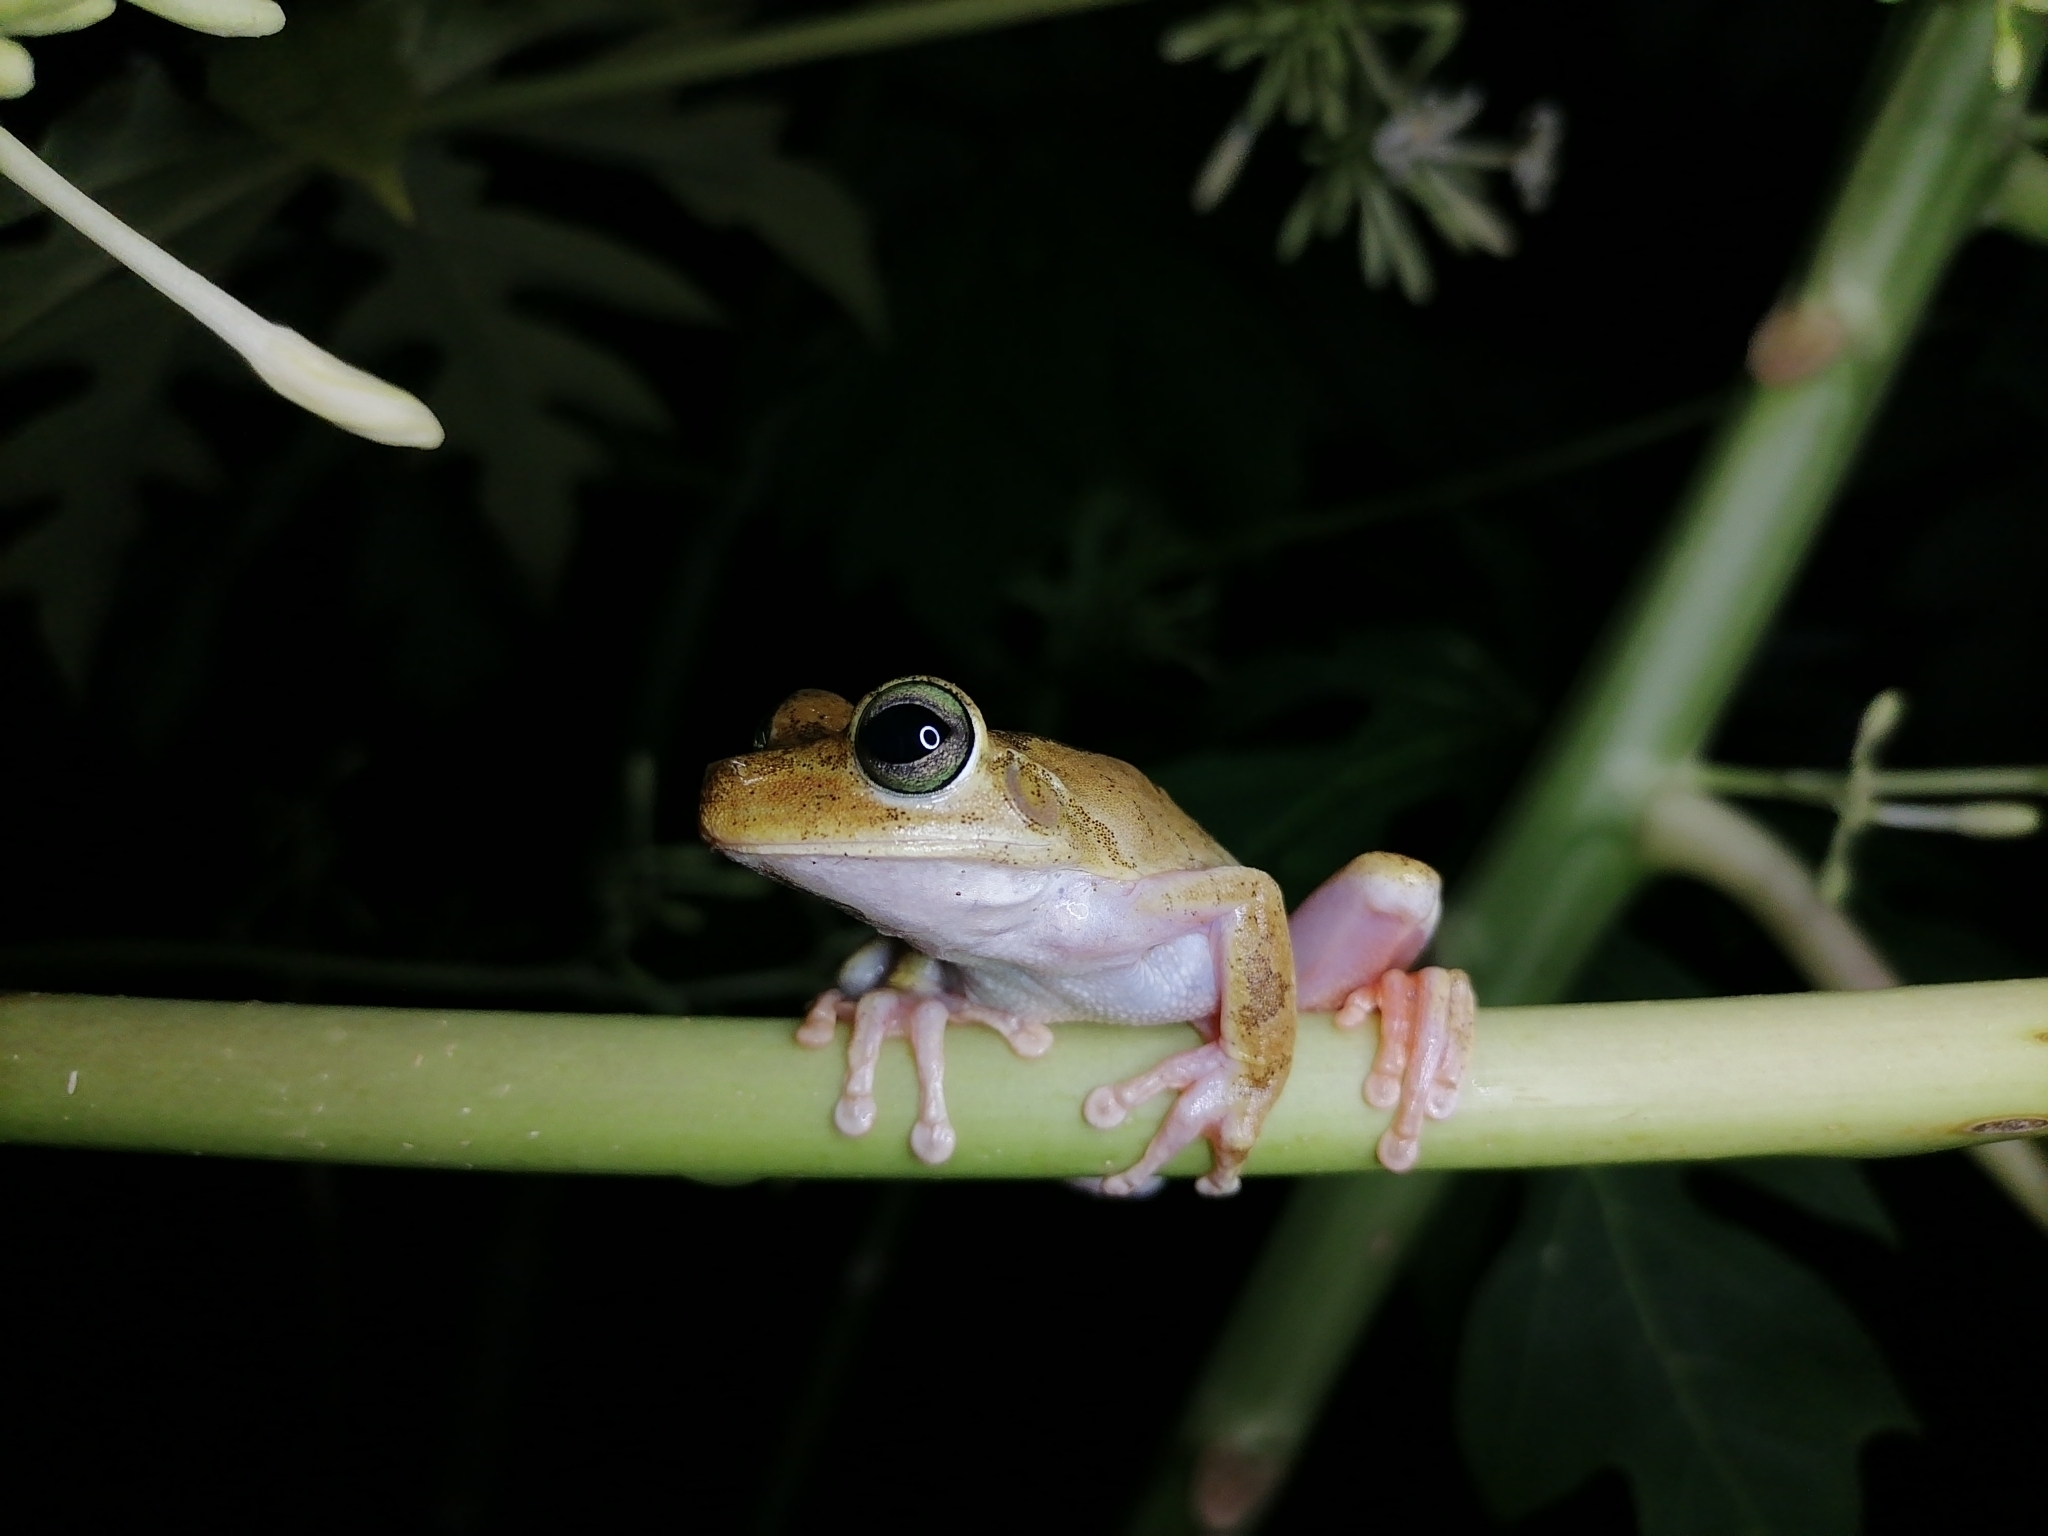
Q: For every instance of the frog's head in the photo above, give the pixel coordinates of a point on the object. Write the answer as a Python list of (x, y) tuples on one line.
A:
[(912, 771)]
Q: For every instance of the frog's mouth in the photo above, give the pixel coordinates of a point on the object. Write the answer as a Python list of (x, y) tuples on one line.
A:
[(955, 848)]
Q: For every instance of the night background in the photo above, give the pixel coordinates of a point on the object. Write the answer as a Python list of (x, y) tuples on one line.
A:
[(330, 724)]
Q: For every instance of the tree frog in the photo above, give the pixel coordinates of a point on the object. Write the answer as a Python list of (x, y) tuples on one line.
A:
[(1031, 884)]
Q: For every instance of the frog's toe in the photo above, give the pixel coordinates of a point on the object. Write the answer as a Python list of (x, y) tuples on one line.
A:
[(1425, 1044), (854, 1114), (1212, 1102)]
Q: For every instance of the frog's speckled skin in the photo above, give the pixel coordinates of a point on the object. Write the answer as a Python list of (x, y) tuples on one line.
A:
[(1054, 885)]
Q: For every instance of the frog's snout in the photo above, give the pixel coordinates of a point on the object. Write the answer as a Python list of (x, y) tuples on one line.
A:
[(721, 804)]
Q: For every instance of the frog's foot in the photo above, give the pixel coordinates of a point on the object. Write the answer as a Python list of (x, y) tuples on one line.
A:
[(1215, 1101), (887, 1013), (1425, 1045)]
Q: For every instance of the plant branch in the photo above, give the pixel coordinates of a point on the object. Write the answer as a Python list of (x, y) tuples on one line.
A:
[(1930, 159), (1911, 1069), (662, 65), (1687, 833), (1565, 859)]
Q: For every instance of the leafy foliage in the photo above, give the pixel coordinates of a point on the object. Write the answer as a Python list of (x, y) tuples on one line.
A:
[(723, 163), (1624, 1326), (339, 90), (79, 467), (332, 87), (452, 275), (1079, 475)]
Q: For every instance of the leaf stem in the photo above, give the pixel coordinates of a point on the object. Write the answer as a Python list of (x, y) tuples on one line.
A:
[(661, 65), (1905, 1070)]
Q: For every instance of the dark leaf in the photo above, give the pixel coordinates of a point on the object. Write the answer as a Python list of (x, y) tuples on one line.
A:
[(1623, 1326), (1832, 1188), (151, 158), (723, 163), (454, 273), (87, 458), (331, 86)]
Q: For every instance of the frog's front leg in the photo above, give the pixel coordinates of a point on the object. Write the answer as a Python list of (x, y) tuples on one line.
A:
[(1227, 1086), (1353, 939), (885, 991)]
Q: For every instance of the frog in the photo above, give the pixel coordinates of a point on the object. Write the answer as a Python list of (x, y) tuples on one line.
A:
[(1015, 883)]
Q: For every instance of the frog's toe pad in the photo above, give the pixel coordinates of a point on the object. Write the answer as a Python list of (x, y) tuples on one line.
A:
[(933, 1144), (855, 1114), (1031, 1041), (1143, 1190), (1104, 1110)]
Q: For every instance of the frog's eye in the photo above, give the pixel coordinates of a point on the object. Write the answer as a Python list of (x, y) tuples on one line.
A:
[(913, 737)]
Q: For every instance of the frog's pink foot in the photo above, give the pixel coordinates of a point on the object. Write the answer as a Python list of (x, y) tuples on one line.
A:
[(1425, 1045), (1213, 1103), (888, 1013)]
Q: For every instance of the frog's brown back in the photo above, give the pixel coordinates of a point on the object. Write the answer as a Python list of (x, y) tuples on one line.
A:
[(1118, 821)]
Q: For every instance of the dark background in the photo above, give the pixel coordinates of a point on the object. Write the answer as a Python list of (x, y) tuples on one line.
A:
[(352, 731)]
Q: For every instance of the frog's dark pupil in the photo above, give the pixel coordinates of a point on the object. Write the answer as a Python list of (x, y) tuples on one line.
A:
[(903, 733)]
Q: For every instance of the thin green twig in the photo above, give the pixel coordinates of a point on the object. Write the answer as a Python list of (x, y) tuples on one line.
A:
[(661, 65)]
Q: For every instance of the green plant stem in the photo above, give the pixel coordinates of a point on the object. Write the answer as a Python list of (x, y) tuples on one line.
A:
[(660, 65), (1913, 1069), (1730, 851), (1566, 861), (1265, 1380)]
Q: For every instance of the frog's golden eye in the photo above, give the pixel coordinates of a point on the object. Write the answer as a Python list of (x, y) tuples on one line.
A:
[(913, 737)]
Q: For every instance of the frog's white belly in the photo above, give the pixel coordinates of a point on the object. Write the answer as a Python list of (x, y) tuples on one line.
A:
[(1049, 945)]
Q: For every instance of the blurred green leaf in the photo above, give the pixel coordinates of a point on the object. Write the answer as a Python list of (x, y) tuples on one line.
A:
[(1440, 712), (154, 160), (86, 460), (454, 274), (443, 42), (1625, 1326), (332, 87), (1832, 1188), (724, 163)]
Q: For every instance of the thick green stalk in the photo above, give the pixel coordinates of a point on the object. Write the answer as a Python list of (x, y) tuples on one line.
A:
[(665, 63), (1566, 860), (1902, 1071), (1266, 1378)]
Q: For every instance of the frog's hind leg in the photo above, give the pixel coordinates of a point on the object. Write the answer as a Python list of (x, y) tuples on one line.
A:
[(1354, 938)]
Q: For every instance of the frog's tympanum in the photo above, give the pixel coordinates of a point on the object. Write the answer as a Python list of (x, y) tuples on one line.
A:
[(1030, 884)]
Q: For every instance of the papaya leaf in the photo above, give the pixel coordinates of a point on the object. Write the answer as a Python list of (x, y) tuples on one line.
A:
[(724, 163), (453, 275), (443, 42), (1623, 1326), (87, 459), (331, 87), (152, 158)]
